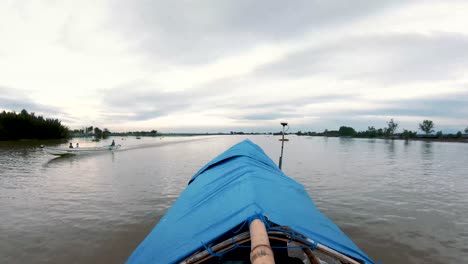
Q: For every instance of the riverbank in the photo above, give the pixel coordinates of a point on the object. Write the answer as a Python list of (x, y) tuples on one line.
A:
[(425, 138), (453, 140), (463, 139)]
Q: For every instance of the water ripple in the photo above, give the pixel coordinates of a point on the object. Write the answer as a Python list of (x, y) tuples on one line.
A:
[(388, 196)]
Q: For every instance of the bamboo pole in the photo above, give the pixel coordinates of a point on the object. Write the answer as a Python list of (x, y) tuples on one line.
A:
[(261, 252)]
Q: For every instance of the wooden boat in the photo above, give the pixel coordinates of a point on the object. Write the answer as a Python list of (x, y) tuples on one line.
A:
[(79, 151), (232, 202)]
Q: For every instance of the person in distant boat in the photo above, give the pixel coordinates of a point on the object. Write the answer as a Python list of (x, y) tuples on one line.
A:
[(77, 145), (71, 145), (113, 143)]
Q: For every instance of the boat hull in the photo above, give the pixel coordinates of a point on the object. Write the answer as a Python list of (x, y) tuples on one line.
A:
[(79, 151), (221, 200)]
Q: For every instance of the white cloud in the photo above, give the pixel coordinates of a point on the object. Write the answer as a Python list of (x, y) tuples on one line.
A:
[(177, 65)]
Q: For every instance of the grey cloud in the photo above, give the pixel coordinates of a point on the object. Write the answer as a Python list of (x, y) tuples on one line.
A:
[(270, 116), (146, 102), (13, 101), (146, 115), (17, 104), (144, 105), (288, 105), (304, 100), (454, 106), (394, 58), (200, 31), (115, 115), (448, 106), (284, 109)]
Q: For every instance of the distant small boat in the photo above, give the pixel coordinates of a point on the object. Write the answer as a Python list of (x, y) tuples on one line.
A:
[(286, 139), (79, 151), (237, 200), (138, 137)]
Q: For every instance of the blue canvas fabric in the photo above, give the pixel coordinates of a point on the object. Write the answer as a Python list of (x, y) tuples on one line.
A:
[(238, 184)]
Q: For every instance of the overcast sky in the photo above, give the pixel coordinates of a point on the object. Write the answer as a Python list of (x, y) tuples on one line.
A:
[(236, 65)]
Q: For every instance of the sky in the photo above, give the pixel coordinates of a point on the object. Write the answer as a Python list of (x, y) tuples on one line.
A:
[(239, 65)]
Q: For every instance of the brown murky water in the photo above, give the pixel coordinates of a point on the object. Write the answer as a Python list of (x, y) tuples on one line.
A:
[(401, 202)]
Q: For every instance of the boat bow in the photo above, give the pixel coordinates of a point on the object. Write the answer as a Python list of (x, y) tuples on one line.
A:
[(237, 185)]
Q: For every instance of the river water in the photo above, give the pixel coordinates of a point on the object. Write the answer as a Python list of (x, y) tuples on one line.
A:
[(400, 202)]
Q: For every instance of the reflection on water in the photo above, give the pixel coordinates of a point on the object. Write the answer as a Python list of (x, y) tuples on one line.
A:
[(390, 152), (426, 148), (400, 201)]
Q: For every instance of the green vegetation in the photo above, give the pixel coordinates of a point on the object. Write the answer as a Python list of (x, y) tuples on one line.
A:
[(106, 133), (427, 126), (330, 133), (24, 125), (466, 130), (152, 133), (371, 132), (389, 132), (97, 133), (91, 131), (386, 132), (407, 134), (391, 127), (345, 131), (250, 133)]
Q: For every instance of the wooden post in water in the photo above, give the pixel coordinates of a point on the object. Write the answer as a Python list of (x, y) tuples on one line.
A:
[(261, 252), (282, 146)]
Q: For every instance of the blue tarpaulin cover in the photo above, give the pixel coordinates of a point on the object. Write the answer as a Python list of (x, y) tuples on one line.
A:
[(238, 184)]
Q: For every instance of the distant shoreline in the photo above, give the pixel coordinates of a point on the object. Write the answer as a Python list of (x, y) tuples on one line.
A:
[(452, 140), (427, 139)]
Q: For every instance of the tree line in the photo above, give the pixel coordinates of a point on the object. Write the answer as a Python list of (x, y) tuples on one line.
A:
[(97, 133), (91, 131), (152, 133), (24, 125), (427, 126)]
